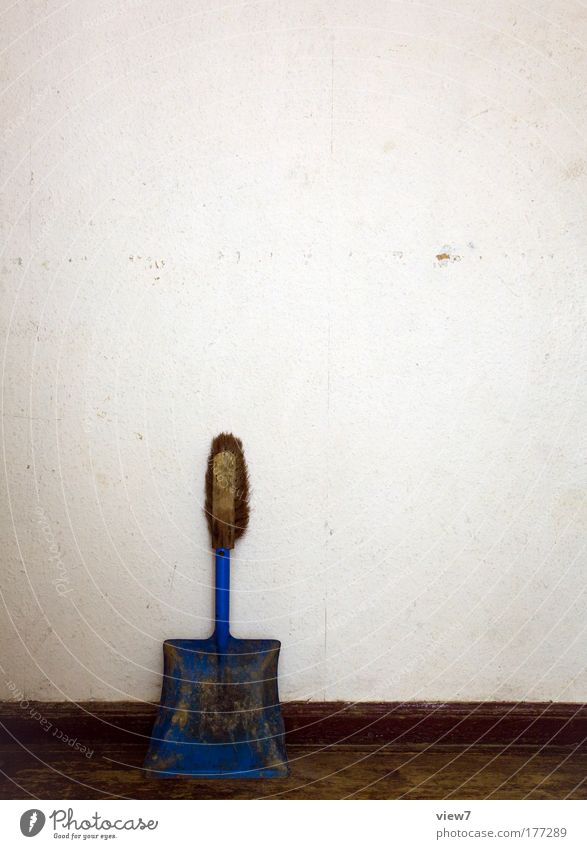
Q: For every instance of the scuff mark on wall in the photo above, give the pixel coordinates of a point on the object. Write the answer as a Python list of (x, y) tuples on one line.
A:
[(575, 169)]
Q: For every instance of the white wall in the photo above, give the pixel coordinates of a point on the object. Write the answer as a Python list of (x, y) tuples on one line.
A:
[(231, 216)]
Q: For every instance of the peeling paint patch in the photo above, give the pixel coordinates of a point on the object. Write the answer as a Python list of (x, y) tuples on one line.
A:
[(446, 256)]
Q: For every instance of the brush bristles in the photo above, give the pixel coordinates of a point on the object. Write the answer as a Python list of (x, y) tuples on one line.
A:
[(226, 442)]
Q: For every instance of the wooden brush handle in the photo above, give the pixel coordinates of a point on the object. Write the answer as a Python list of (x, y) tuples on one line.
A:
[(223, 499)]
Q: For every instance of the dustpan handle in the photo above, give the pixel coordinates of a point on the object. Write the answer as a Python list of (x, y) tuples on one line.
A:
[(222, 615)]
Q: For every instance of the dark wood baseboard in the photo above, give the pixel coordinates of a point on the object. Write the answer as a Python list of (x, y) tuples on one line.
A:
[(324, 723), (452, 723)]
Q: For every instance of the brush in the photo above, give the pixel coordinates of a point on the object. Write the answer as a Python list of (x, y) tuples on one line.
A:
[(227, 512), (227, 491)]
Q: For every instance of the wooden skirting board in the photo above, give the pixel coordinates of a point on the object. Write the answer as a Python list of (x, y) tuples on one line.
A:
[(316, 723)]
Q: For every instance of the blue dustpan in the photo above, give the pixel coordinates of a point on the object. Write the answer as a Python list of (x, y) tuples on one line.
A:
[(219, 715)]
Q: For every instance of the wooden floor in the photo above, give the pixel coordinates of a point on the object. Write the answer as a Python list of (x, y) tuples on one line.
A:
[(52, 771)]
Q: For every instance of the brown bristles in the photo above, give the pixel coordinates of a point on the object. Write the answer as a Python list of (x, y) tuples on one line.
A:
[(227, 491)]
